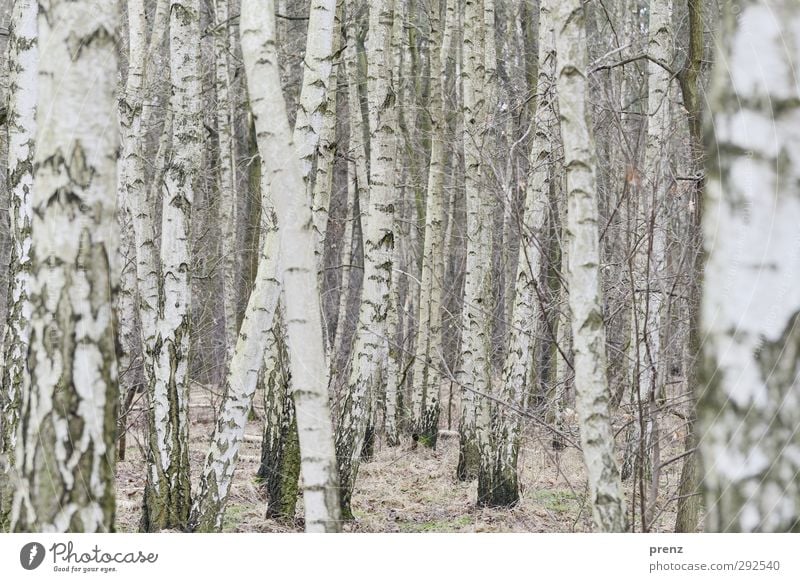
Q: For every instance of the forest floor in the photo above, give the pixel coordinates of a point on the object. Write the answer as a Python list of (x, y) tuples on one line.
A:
[(407, 489)]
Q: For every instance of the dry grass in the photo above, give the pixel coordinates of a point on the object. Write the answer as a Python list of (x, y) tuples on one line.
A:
[(406, 489)]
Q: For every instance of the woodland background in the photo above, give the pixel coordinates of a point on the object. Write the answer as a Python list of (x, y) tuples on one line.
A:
[(496, 207)]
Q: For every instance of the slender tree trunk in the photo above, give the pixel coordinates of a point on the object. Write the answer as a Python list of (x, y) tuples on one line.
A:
[(313, 124), (304, 329), (280, 449), (167, 490), (588, 328), (501, 480), (240, 385), (323, 180), (748, 410), (657, 183), (228, 193), (135, 112), (368, 368), (475, 369), (688, 510), (21, 114), (66, 447), (427, 375), (358, 181)]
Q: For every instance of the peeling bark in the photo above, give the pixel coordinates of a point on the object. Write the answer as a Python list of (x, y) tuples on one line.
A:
[(66, 436), (23, 68), (167, 490)]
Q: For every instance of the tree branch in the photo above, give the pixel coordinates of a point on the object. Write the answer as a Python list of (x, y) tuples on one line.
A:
[(629, 60)]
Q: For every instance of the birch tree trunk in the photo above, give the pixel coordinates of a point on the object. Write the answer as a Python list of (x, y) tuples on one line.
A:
[(293, 210), (136, 108), (475, 369), (427, 375), (359, 181), (688, 506), (327, 144), (66, 448), (501, 480), (313, 123), (368, 367), (21, 114), (167, 490), (588, 328), (227, 174), (748, 407), (240, 385), (649, 255), (280, 449)]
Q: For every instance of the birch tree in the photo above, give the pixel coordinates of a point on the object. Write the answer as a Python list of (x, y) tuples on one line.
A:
[(21, 114), (583, 276), (227, 173), (427, 375), (649, 256), (66, 450), (475, 367), (688, 507), (501, 480), (280, 463), (167, 490), (368, 367), (299, 273), (748, 408)]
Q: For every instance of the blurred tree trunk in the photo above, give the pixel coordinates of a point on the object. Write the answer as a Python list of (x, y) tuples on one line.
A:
[(167, 490), (23, 87), (748, 410), (583, 277), (66, 449)]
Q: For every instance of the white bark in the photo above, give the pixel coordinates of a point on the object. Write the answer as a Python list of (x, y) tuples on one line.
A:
[(65, 449), (749, 403), (318, 61), (167, 492), (526, 314), (583, 277), (228, 195), (299, 273), (240, 385), (475, 368), (323, 180), (368, 368), (427, 375), (135, 111), (21, 116)]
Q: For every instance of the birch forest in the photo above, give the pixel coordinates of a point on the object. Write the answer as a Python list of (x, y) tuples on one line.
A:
[(399, 265)]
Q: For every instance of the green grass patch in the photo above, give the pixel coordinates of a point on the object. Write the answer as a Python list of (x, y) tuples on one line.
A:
[(559, 500)]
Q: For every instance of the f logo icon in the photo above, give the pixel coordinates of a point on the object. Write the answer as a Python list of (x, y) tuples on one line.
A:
[(31, 555)]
